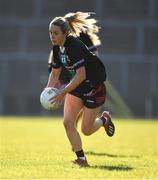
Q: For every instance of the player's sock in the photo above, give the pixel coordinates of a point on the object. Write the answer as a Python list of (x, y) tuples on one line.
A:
[(80, 155), (103, 120), (83, 158)]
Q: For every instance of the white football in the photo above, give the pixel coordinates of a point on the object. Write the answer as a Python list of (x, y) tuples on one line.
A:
[(45, 97)]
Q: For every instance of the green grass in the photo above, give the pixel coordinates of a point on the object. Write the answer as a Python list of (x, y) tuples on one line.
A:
[(32, 147)]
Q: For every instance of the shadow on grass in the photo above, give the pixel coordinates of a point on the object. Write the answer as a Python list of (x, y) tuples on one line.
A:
[(112, 168), (109, 155)]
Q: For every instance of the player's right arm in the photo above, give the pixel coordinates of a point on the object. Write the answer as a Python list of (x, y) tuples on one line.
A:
[(56, 67), (54, 77), (50, 61)]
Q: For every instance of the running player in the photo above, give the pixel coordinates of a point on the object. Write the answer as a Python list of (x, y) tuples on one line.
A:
[(86, 90)]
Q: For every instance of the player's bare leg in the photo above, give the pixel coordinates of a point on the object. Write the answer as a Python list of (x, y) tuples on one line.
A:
[(72, 107)]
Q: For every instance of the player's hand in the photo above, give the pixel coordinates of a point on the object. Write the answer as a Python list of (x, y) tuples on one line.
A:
[(59, 97)]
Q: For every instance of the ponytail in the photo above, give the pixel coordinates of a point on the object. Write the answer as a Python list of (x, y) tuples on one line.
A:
[(80, 22)]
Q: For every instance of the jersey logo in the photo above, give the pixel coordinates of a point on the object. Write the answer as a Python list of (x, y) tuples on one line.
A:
[(63, 58)]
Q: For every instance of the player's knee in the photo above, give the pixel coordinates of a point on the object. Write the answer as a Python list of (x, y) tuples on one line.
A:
[(86, 131)]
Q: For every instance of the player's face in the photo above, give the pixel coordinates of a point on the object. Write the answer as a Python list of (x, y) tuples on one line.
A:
[(56, 35)]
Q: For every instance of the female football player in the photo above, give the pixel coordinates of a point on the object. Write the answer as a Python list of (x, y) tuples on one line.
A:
[(86, 90)]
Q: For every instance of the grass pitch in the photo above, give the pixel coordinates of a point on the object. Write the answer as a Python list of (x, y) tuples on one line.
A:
[(37, 148)]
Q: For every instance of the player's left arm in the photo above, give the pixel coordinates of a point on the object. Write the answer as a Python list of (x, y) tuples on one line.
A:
[(78, 59)]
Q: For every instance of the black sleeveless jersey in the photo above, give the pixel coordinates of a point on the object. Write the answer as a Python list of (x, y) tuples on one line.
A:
[(74, 55)]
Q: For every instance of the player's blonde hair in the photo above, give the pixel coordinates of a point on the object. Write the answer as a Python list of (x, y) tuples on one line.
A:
[(78, 22)]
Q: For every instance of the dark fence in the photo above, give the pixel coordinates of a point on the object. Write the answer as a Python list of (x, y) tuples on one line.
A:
[(129, 50)]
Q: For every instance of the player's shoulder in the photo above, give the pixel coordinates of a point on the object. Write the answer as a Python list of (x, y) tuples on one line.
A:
[(55, 48), (74, 45)]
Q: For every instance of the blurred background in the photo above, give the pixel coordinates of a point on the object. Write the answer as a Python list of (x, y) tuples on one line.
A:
[(129, 50)]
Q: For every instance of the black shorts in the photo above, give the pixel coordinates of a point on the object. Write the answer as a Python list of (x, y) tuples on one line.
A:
[(92, 96)]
